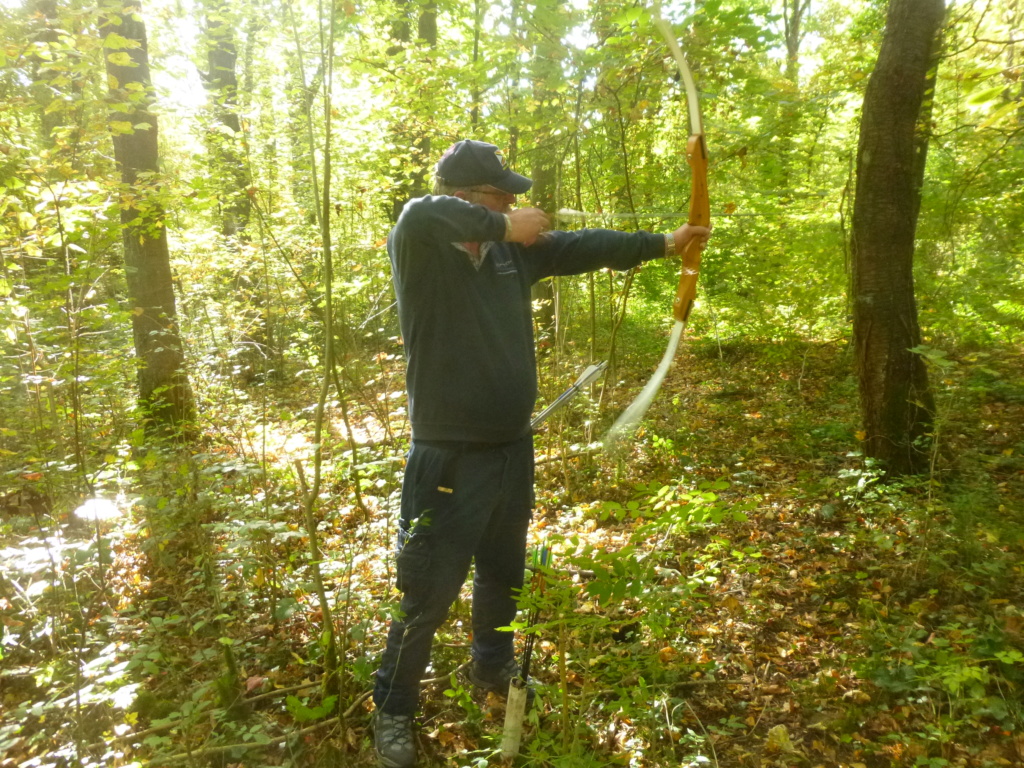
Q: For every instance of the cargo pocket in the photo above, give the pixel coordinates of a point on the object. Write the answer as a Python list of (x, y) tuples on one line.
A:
[(427, 497), (413, 561)]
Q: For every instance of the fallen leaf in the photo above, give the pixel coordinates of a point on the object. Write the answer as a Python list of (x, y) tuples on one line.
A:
[(778, 739), (253, 682)]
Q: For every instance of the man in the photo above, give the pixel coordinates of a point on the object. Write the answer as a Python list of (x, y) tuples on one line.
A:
[(463, 262)]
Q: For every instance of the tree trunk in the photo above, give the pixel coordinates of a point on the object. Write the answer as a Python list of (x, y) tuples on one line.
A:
[(791, 103), (225, 140), (896, 403), (542, 195), (793, 17), (547, 86), (416, 181), (44, 90), (1014, 19), (164, 390), (221, 82)]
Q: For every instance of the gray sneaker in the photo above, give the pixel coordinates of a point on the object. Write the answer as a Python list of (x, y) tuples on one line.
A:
[(394, 740), (498, 679)]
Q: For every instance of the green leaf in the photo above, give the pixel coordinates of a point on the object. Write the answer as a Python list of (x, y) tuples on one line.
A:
[(304, 714), (986, 95), (1012, 656), (1007, 109), (121, 127), (119, 42), (627, 18), (121, 59)]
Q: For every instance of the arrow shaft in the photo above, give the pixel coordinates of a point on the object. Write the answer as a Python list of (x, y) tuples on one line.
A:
[(585, 378)]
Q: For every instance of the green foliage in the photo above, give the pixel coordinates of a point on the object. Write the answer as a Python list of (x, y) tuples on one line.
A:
[(200, 590), (304, 713)]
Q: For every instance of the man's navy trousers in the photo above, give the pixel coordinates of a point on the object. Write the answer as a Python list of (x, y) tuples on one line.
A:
[(461, 502)]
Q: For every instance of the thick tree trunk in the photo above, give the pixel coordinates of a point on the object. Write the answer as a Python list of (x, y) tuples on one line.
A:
[(896, 403), (164, 390)]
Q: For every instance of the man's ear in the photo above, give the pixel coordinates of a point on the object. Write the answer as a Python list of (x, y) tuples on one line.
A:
[(462, 194)]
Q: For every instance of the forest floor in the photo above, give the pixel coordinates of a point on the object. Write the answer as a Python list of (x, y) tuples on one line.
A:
[(737, 588)]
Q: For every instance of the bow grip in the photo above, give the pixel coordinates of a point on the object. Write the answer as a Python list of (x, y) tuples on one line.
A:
[(700, 215)]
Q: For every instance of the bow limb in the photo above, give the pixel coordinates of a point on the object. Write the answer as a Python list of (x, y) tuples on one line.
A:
[(700, 214), (697, 157)]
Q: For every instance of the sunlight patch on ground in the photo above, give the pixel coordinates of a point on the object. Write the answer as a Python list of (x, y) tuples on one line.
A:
[(286, 442), (98, 510)]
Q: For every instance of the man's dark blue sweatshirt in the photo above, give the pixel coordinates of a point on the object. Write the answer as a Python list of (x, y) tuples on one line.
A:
[(468, 331)]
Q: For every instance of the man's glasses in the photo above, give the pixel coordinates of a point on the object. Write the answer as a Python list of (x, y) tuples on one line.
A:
[(491, 191)]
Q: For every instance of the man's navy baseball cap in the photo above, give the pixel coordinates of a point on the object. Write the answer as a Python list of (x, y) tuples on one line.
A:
[(468, 163)]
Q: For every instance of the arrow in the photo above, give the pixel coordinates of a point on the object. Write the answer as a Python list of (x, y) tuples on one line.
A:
[(591, 374)]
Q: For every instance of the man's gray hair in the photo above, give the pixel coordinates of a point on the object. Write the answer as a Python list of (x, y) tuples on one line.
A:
[(441, 187)]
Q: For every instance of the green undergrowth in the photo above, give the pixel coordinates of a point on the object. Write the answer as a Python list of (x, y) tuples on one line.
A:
[(737, 587)]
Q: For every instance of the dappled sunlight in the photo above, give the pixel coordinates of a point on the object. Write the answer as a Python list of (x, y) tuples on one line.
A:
[(99, 510), (198, 559)]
